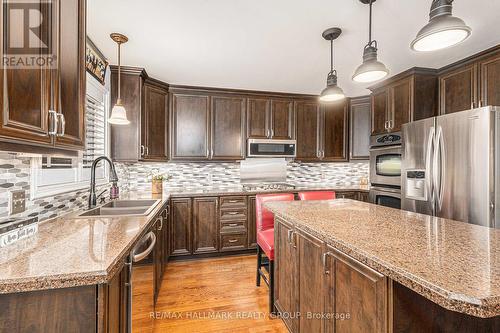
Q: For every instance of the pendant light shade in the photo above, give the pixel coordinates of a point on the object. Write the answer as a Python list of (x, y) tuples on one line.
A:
[(443, 29), (118, 113), (332, 92), (371, 69)]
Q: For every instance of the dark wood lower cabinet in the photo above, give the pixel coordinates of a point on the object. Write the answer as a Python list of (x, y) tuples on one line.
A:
[(311, 279), (205, 226), (252, 226), (357, 294), (285, 288), (181, 215)]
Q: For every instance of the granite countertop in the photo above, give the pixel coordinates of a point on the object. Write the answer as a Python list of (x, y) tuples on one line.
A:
[(69, 252), (456, 265), (238, 189)]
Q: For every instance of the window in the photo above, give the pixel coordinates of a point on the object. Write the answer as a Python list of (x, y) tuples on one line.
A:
[(55, 174)]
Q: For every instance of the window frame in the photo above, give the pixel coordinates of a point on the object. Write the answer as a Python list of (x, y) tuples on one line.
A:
[(38, 192)]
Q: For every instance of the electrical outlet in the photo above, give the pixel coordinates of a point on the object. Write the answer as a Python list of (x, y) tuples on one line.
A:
[(17, 202)]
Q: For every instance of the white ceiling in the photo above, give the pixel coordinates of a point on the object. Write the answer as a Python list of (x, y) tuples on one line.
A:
[(275, 45)]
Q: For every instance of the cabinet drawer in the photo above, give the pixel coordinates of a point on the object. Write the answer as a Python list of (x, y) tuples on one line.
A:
[(233, 202), (233, 227), (231, 242), (235, 214)]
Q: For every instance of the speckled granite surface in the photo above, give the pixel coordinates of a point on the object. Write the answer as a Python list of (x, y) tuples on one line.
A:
[(454, 264), (68, 252), (238, 189)]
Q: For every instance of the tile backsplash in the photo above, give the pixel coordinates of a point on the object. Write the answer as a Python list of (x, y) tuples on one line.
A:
[(15, 174), (228, 174)]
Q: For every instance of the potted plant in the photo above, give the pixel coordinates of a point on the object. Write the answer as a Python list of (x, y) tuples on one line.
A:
[(157, 180)]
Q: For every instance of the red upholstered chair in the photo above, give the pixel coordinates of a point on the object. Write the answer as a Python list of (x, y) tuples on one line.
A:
[(265, 240), (317, 195)]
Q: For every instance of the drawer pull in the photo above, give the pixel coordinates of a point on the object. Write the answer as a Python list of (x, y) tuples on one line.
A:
[(233, 201), (232, 240), (233, 224), (232, 213)]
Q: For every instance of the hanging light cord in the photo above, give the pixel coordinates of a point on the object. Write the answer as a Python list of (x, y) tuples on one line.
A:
[(331, 55), (119, 71), (371, 43)]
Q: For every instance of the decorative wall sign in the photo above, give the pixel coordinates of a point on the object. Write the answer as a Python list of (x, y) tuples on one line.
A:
[(95, 61)]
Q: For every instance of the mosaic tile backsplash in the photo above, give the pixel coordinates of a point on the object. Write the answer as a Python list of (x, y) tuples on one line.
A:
[(15, 174), (228, 174)]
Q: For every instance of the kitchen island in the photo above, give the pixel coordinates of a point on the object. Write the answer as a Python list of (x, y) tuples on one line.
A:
[(353, 266)]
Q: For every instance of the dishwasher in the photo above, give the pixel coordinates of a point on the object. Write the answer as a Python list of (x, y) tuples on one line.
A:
[(140, 305)]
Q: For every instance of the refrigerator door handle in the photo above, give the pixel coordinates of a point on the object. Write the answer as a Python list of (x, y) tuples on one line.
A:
[(429, 166), (439, 168)]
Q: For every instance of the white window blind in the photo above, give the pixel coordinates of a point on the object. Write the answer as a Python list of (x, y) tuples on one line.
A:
[(95, 133)]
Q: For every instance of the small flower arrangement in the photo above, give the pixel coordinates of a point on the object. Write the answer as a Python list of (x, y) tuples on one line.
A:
[(157, 180)]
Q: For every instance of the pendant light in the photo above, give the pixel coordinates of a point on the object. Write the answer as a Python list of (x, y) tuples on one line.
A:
[(332, 92), (118, 113), (443, 29), (371, 69)]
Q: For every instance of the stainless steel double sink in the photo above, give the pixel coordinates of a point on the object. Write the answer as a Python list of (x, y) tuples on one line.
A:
[(116, 208)]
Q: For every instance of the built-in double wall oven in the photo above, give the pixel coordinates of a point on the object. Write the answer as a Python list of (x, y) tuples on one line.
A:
[(385, 170)]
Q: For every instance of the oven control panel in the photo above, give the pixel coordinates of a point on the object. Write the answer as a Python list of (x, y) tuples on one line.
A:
[(386, 140)]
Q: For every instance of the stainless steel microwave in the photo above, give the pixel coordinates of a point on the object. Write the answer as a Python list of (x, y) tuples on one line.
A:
[(271, 148)]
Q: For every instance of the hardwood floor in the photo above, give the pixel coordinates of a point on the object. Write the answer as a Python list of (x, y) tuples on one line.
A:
[(214, 295)]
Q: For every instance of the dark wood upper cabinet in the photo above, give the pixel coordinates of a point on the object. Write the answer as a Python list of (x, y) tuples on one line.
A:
[(155, 119), (359, 128), (406, 97), (205, 225), (282, 119), (401, 99), (27, 95), (335, 138), (228, 128), (379, 111), (258, 114), (308, 117), (181, 214), (489, 80), (71, 74), (190, 126), (458, 89), (126, 140)]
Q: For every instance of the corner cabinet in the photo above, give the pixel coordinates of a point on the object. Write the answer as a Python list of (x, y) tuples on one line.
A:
[(320, 289), (322, 131), (146, 102), (406, 97), (359, 128), (207, 127), (155, 121), (46, 106)]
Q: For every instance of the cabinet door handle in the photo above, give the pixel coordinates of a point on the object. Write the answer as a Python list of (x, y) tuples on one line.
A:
[(232, 240), (232, 201), (294, 243), (326, 269), (472, 105), (53, 122), (290, 232), (322, 154), (147, 150), (232, 213), (63, 124), (143, 150), (272, 133), (211, 153), (233, 224), (161, 223), (480, 104)]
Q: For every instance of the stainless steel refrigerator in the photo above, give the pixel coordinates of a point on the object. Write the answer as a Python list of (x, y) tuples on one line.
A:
[(451, 166)]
